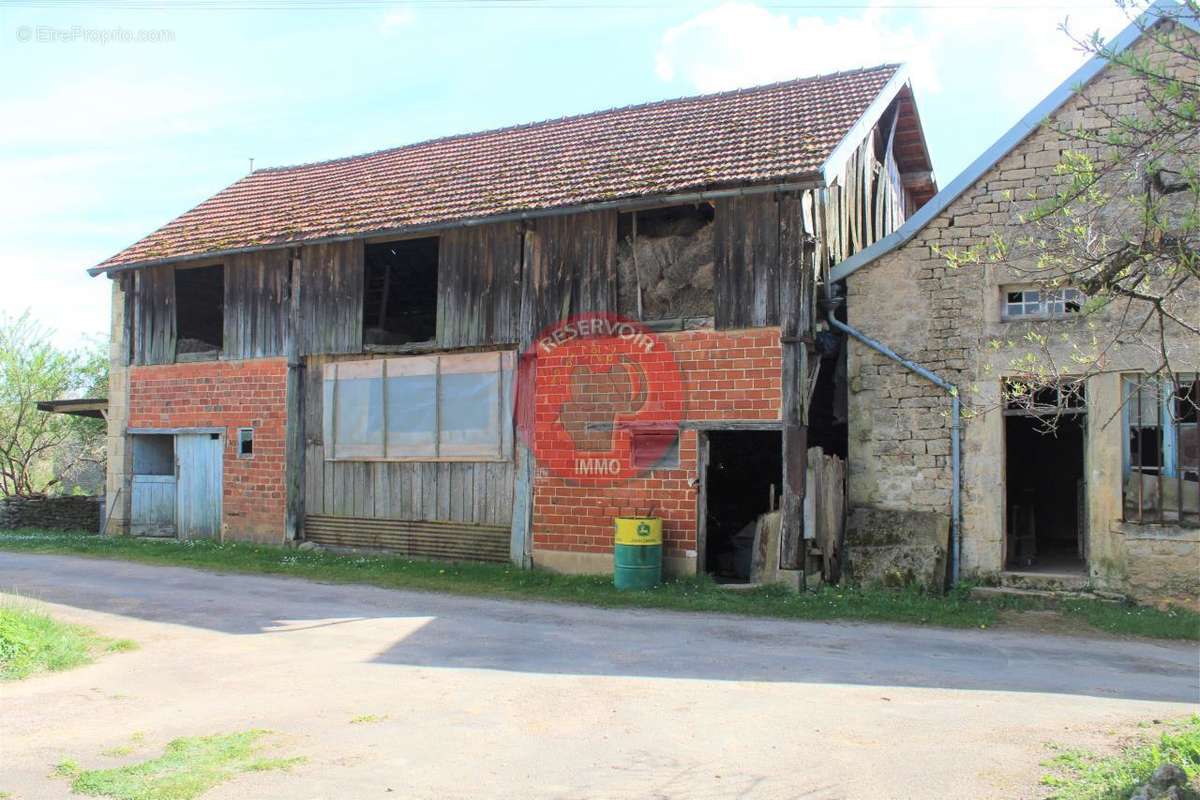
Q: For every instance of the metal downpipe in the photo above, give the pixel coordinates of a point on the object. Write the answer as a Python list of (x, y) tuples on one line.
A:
[(955, 428)]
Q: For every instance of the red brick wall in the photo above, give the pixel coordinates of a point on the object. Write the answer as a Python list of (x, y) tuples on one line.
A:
[(726, 375), (229, 395)]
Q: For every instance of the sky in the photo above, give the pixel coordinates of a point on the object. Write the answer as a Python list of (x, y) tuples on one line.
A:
[(104, 138)]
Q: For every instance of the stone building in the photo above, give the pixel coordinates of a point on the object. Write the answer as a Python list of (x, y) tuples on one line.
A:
[(1108, 498)]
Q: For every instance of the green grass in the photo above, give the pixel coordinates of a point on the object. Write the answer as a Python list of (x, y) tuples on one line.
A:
[(1078, 775), (186, 769), (32, 642), (699, 593), (367, 719)]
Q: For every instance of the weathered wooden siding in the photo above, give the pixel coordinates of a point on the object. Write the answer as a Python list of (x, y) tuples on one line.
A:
[(570, 268), (489, 277), (479, 284), (154, 315), (331, 294), (256, 304), (478, 493), (867, 201)]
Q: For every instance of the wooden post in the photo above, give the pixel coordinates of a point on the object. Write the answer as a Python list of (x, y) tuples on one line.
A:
[(521, 542), (796, 275), (294, 436)]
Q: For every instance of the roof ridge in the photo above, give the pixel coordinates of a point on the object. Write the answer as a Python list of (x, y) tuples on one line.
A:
[(571, 117)]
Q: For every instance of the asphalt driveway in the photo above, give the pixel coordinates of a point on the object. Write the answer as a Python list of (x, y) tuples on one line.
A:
[(494, 699)]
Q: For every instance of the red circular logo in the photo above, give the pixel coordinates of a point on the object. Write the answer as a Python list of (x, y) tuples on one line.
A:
[(599, 399)]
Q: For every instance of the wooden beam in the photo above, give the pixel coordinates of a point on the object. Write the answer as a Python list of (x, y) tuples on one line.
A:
[(917, 179), (294, 444), (797, 258)]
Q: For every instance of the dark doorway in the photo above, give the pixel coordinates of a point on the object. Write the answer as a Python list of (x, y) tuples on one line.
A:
[(1044, 480), (743, 480)]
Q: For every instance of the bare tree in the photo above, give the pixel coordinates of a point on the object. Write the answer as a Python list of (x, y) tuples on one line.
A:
[(1116, 234)]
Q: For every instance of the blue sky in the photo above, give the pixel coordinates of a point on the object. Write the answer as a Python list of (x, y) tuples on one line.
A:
[(103, 142)]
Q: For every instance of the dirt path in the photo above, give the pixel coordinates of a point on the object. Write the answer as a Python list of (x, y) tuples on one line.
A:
[(492, 699)]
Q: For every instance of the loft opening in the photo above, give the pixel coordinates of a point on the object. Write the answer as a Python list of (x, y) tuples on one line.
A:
[(1045, 484), (199, 311), (665, 264), (743, 483), (400, 291)]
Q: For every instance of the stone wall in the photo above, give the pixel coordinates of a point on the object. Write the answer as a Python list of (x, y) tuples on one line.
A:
[(1163, 564), (947, 317), (116, 488), (69, 513)]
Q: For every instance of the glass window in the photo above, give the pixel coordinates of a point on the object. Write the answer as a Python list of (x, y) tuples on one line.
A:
[(1025, 303)]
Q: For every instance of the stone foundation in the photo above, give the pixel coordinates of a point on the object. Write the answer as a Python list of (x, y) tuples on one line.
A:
[(1163, 564), (897, 548)]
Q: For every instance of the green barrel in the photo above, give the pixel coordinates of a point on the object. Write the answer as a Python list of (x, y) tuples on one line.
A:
[(637, 552)]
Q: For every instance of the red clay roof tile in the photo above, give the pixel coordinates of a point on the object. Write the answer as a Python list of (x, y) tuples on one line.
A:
[(781, 131)]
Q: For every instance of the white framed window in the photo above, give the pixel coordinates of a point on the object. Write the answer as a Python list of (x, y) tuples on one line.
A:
[(455, 407), (1021, 302)]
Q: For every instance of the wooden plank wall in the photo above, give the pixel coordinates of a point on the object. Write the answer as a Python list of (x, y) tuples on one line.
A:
[(549, 269), (331, 293), (570, 267), (478, 493), (154, 316), (746, 244), (479, 284), (256, 304)]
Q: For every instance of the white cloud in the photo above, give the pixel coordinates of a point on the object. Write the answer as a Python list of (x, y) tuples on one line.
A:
[(742, 44), (1015, 54), (399, 18)]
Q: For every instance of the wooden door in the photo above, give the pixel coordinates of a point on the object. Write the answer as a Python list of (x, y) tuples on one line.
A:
[(152, 505), (199, 482)]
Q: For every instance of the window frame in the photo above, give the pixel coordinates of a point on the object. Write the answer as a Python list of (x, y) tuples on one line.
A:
[(505, 361), (248, 434), (1043, 306), (1167, 425), (1151, 503)]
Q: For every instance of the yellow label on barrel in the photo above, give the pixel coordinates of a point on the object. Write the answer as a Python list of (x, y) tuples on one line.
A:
[(637, 530)]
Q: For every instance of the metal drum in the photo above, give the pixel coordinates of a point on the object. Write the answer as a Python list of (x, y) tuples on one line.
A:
[(637, 552)]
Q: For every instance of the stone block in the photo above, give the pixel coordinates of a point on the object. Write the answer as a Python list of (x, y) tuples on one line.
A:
[(897, 548)]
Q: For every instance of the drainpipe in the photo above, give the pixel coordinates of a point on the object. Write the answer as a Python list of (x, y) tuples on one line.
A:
[(955, 426)]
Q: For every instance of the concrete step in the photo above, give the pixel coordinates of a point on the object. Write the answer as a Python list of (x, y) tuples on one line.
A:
[(997, 592), (1045, 581)]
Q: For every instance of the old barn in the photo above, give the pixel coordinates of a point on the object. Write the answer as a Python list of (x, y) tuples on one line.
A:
[(343, 352)]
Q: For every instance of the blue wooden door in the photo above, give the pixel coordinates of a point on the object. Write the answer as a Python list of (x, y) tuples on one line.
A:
[(198, 489), (152, 505)]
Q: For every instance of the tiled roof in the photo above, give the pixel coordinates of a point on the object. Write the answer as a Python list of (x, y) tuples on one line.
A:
[(781, 131)]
